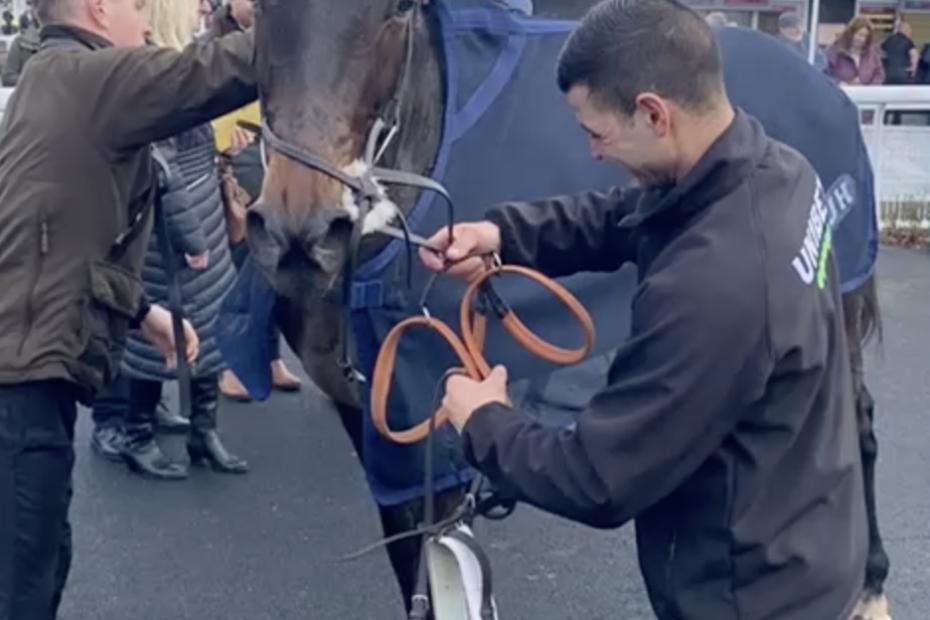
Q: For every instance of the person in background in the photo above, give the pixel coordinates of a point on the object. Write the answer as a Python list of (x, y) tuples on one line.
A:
[(900, 55), (23, 47), (111, 407), (9, 26), (205, 280), (922, 73), (854, 58), (791, 33), (242, 180), (28, 18)]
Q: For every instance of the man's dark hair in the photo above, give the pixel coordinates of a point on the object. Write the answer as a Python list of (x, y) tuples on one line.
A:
[(623, 48)]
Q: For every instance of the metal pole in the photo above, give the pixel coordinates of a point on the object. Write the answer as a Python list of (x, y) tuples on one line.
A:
[(812, 30)]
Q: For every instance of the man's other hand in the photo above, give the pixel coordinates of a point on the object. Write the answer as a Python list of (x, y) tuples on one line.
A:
[(471, 238), (157, 328), (464, 395)]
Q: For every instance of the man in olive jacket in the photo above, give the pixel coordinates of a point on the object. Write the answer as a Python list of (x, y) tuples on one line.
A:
[(76, 183)]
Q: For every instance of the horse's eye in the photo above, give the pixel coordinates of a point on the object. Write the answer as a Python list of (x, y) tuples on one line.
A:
[(405, 6)]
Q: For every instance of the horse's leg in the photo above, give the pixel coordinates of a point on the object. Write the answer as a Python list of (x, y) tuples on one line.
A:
[(351, 418), (860, 309), (873, 604), (309, 330), (405, 555)]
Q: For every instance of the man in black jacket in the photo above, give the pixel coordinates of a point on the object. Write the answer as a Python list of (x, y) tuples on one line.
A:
[(726, 428)]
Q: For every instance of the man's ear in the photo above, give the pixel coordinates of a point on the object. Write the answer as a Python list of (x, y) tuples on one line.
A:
[(97, 11), (655, 111)]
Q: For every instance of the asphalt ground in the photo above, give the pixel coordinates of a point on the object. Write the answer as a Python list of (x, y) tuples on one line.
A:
[(266, 545)]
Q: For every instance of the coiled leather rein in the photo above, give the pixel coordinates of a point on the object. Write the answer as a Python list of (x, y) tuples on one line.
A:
[(479, 297)]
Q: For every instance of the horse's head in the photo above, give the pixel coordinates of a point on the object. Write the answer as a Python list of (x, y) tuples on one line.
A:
[(328, 71)]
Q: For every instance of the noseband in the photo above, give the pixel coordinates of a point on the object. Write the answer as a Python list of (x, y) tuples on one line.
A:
[(367, 187)]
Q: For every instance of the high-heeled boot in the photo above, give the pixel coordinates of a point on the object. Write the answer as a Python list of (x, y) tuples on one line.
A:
[(204, 443), (139, 450)]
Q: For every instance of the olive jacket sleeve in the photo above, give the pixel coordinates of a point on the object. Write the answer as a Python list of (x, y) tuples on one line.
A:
[(148, 94)]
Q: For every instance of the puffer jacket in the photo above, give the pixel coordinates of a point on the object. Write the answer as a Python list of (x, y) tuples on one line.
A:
[(202, 292)]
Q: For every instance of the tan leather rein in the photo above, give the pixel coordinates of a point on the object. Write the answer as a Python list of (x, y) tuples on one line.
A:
[(470, 346)]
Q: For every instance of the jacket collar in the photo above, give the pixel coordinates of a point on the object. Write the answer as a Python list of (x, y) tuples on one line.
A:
[(56, 35), (726, 164)]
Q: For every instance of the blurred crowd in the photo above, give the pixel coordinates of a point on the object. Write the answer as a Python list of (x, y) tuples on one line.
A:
[(857, 56)]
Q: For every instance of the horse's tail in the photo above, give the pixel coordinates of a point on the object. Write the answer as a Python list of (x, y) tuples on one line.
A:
[(862, 312)]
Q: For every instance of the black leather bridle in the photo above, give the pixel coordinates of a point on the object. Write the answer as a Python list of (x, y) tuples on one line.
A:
[(367, 187)]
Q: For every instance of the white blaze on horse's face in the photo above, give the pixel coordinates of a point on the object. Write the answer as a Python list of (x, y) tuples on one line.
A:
[(382, 212)]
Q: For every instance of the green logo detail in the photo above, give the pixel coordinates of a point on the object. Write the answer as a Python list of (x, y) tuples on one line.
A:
[(823, 255)]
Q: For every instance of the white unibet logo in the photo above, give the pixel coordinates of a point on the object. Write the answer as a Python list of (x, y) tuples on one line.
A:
[(825, 215)]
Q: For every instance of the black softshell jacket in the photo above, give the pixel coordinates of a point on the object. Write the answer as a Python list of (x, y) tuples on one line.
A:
[(726, 428)]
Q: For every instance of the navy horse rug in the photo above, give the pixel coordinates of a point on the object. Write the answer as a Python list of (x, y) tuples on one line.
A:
[(509, 135)]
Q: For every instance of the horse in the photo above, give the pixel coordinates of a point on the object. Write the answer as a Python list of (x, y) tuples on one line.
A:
[(349, 86)]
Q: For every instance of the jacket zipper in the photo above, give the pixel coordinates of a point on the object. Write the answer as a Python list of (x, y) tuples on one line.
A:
[(43, 250)]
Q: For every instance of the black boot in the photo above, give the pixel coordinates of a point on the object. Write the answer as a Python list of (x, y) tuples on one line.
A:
[(109, 413), (171, 421), (140, 451), (206, 445), (107, 442), (204, 442), (147, 459)]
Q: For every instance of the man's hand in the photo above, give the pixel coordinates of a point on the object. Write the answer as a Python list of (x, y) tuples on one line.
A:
[(240, 139), (157, 328), (198, 262), (468, 238), (465, 395), (235, 201)]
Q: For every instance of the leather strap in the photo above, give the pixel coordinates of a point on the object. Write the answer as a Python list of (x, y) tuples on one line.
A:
[(470, 346)]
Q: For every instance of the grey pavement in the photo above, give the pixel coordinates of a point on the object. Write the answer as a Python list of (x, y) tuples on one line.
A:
[(266, 545)]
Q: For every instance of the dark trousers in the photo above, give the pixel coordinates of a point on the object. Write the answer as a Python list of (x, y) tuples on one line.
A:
[(240, 251), (36, 461), (144, 397)]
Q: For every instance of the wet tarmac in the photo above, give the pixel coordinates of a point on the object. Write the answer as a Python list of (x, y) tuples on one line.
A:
[(265, 546)]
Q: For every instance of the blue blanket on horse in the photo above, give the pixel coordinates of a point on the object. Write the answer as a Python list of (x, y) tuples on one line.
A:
[(508, 135)]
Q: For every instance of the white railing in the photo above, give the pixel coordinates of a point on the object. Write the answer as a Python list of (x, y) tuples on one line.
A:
[(900, 153)]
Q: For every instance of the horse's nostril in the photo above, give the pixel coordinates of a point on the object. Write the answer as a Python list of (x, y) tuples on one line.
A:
[(340, 229)]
